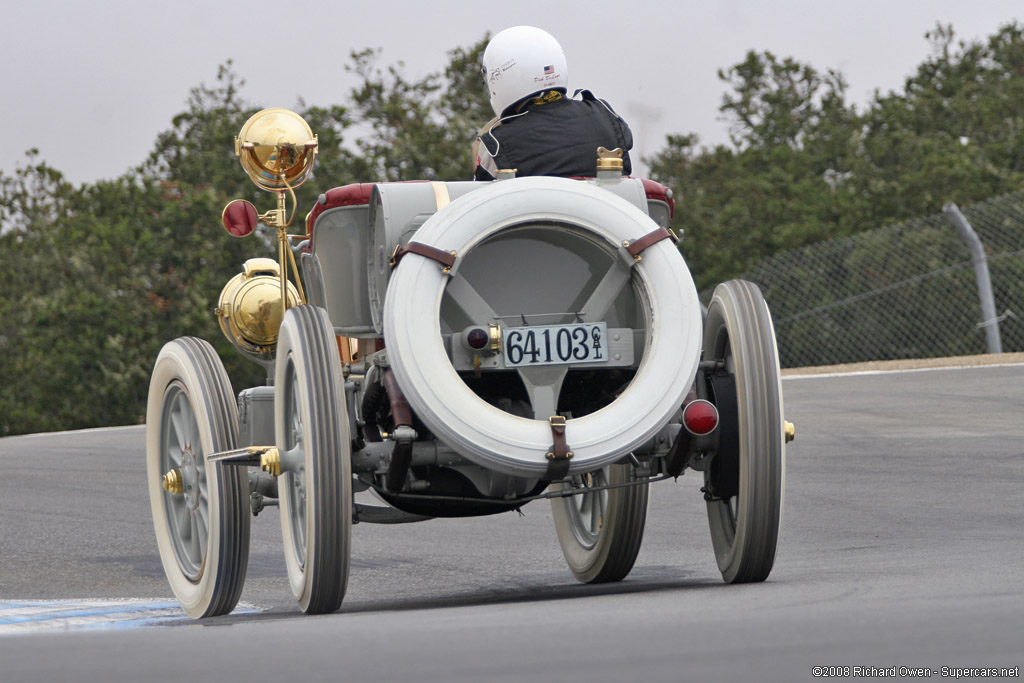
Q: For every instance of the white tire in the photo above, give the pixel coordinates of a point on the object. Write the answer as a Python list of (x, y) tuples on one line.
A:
[(202, 531), (312, 434), (600, 532), (746, 481), (497, 439)]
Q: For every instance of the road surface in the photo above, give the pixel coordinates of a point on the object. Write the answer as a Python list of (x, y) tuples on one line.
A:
[(902, 546)]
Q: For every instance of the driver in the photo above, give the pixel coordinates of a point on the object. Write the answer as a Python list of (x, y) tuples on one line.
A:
[(537, 130)]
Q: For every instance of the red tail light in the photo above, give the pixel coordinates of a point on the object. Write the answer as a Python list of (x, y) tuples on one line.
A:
[(477, 338), (700, 417)]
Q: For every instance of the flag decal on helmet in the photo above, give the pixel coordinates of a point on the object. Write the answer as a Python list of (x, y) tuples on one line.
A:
[(549, 69)]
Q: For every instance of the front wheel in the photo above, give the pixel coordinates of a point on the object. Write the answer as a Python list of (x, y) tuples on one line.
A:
[(200, 509), (600, 531), (312, 436), (745, 481)]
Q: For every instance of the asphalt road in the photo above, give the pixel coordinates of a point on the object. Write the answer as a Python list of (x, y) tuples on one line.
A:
[(902, 546)]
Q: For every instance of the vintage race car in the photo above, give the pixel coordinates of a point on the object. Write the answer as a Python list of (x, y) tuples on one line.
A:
[(461, 348)]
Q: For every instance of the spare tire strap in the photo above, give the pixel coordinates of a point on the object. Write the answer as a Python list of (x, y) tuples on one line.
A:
[(637, 246), (445, 258), (559, 455)]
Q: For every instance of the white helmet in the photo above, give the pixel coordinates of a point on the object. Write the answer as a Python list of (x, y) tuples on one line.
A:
[(521, 61)]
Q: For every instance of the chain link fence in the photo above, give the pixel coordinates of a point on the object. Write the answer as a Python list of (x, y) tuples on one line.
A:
[(903, 291)]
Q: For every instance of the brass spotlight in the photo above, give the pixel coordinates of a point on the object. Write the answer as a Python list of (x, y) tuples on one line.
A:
[(276, 148)]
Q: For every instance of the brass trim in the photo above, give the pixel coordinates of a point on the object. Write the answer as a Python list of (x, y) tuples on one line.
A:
[(276, 146), (173, 483), (270, 461), (295, 274), (790, 430), (260, 266), (448, 269), (609, 160), (494, 330)]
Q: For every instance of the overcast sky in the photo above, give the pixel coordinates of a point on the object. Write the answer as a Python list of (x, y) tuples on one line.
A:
[(92, 83)]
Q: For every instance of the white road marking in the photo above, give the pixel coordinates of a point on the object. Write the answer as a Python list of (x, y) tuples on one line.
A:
[(37, 616), (855, 373), (87, 430)]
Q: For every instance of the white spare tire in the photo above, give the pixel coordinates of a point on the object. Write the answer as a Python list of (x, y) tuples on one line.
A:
[(500, 440)]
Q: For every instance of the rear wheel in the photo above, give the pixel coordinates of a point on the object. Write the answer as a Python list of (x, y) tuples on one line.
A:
[(312, 436), (200, 509), (744, 483), (600, 531)]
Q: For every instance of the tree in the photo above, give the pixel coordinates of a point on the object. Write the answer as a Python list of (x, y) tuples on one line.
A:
[(79, 315), (955, 132), (419, 129), (804, 165), (775, 102), (96, 278), (93, 279), (780, 183)]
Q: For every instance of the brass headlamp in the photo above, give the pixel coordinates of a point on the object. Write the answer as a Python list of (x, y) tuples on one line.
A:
[(249, 309)]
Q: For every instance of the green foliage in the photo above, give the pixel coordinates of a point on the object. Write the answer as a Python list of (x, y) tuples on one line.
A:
[(775, 102), (419, 129), (71, 283), (805, 165), (95, 279)]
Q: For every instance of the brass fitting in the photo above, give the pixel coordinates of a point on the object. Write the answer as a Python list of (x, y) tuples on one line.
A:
[(173, 482), (494, 333), (790, 430), (609, 160), (271, 462)]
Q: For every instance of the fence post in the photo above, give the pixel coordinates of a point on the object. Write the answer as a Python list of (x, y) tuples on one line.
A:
[(988, 307)]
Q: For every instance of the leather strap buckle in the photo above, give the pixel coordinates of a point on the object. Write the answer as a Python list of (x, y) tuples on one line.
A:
[(559, 455), (639, 245), (445, 258)]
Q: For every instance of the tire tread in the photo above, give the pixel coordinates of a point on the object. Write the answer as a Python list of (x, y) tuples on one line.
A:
[(762, 452)]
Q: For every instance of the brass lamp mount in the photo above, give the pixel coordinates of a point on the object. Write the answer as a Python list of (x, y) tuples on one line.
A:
[(276, 148)]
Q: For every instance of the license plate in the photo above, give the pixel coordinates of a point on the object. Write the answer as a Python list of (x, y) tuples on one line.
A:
[(555, 344)]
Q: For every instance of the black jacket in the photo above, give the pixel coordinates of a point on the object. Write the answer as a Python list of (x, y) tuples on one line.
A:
[(554, 139)]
